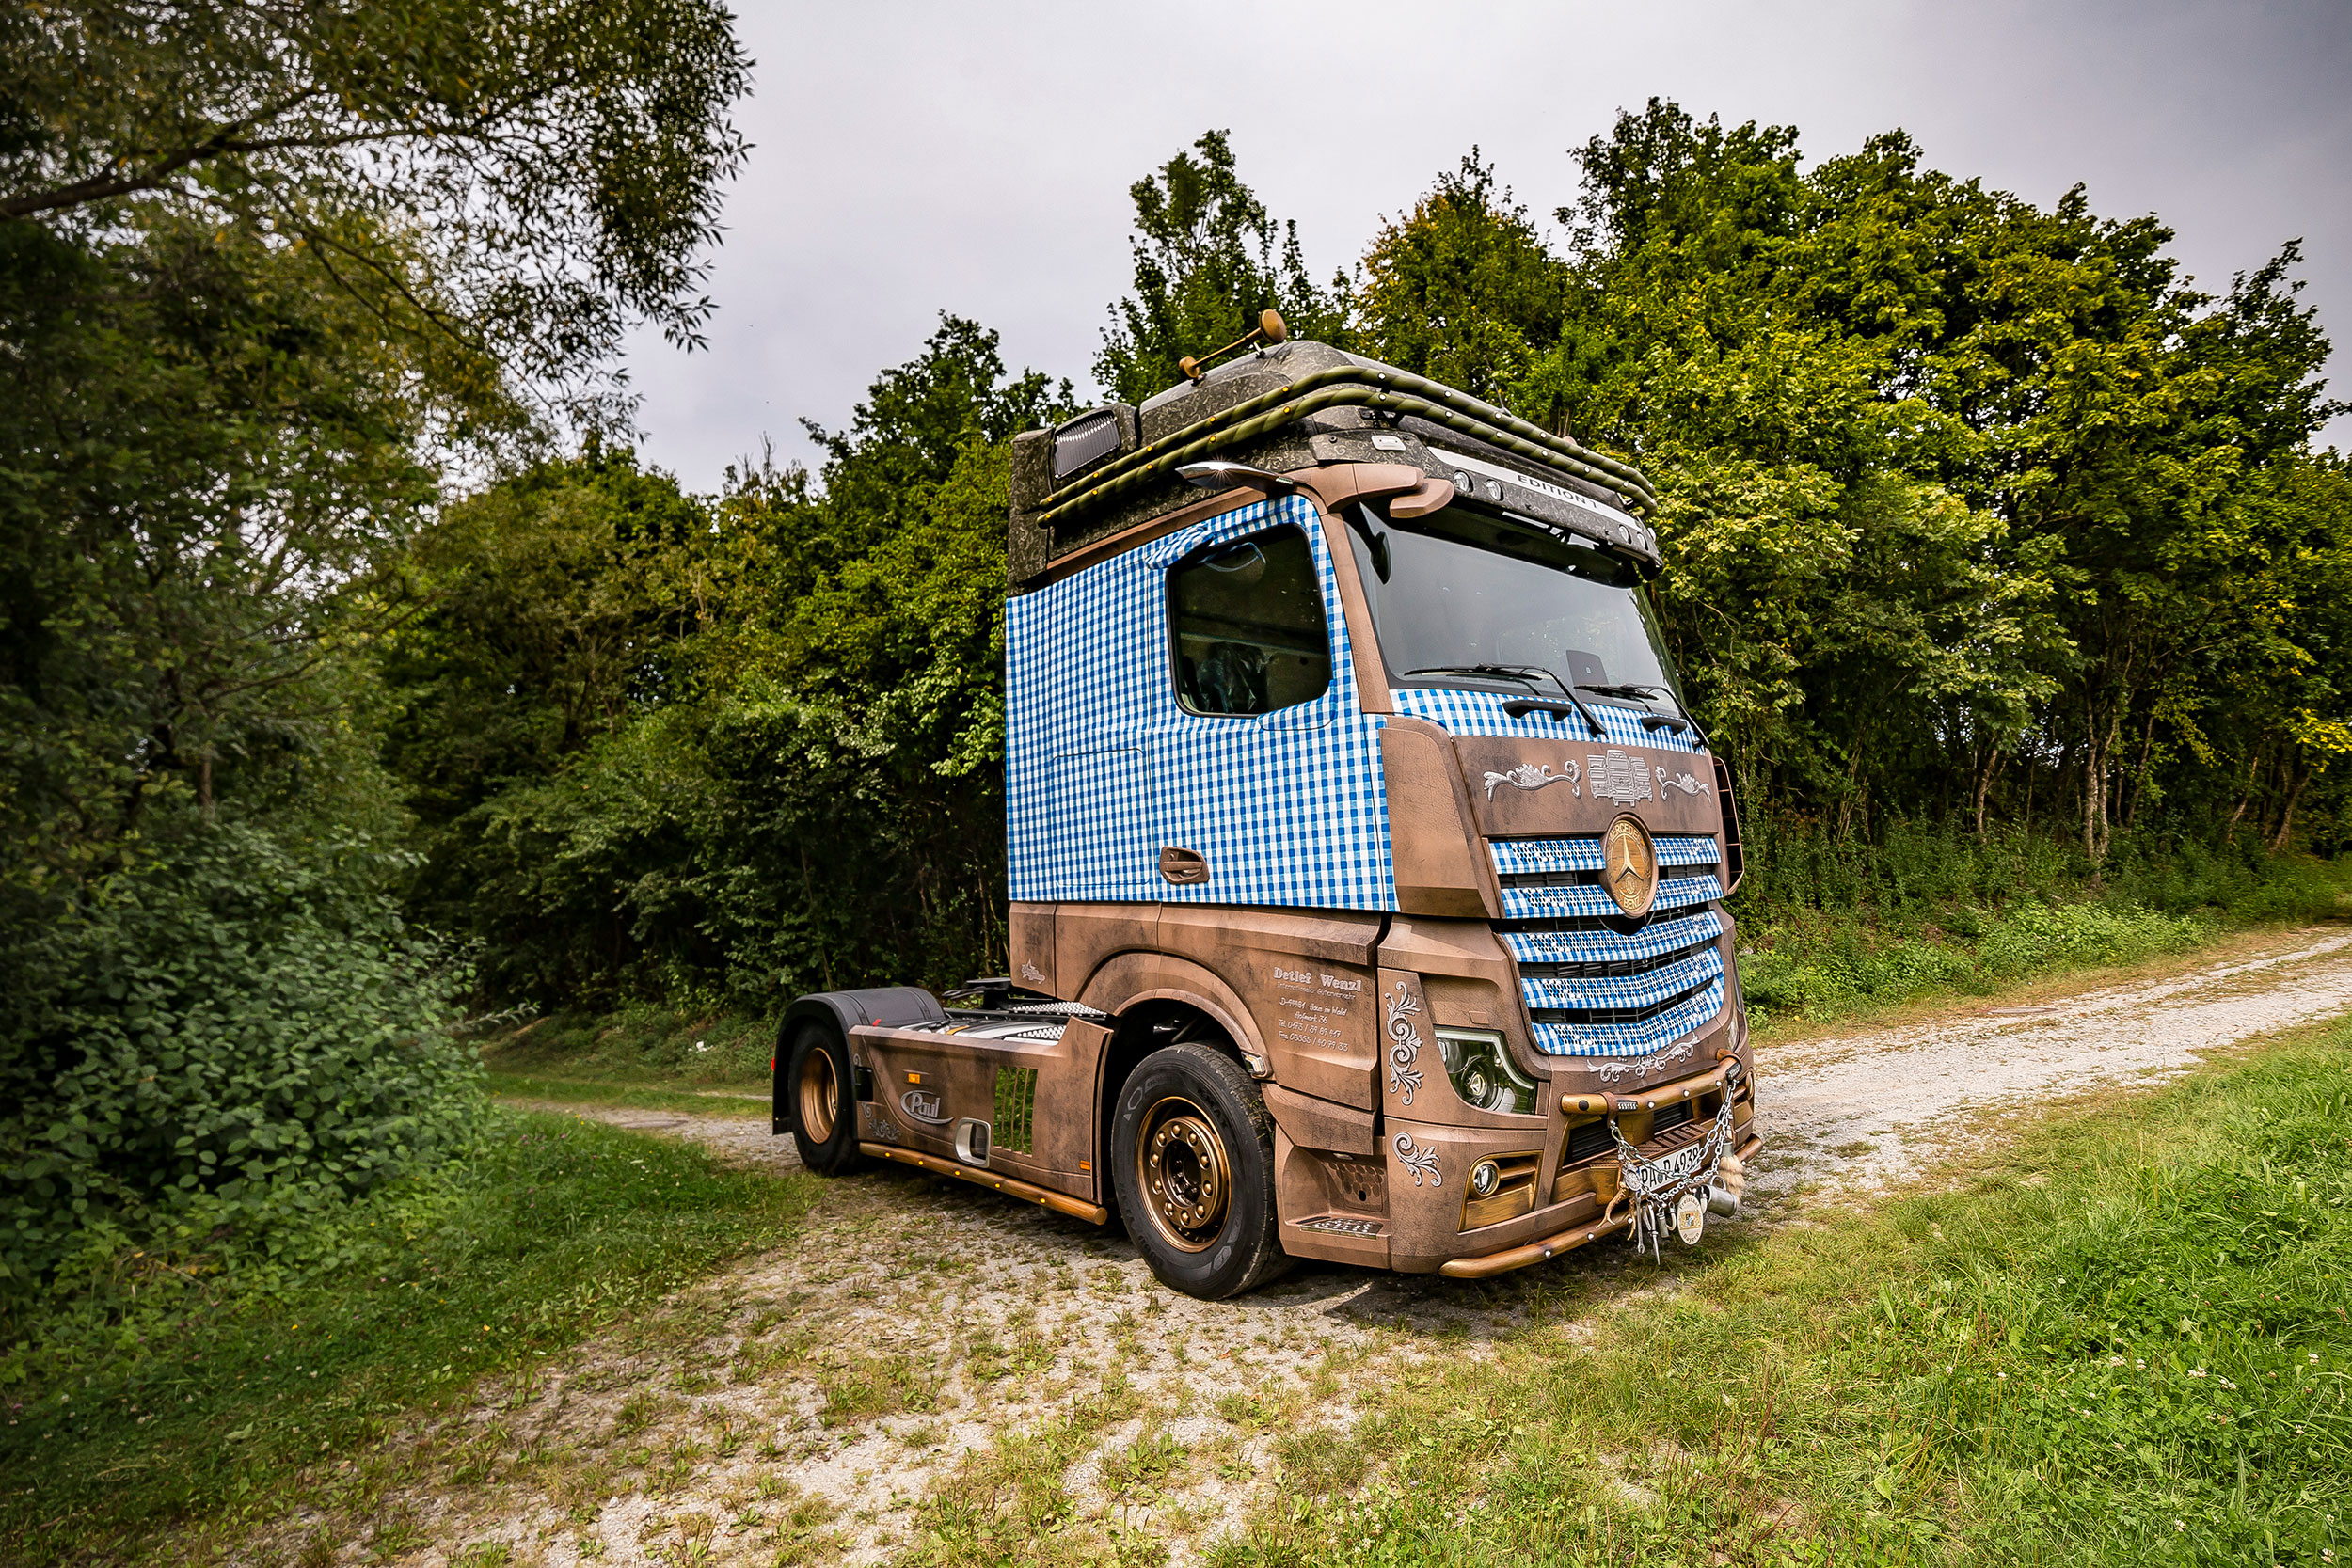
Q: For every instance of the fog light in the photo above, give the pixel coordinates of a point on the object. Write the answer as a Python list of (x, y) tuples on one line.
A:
[(1485, 1176)]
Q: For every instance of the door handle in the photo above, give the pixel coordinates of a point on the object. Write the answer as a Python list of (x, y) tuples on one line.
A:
[(1184, 868)]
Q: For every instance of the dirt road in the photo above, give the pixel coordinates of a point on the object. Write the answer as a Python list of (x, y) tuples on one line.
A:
[(924, 1341)]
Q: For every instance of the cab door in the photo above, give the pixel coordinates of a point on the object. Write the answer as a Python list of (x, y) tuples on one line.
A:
[(1253, 793)]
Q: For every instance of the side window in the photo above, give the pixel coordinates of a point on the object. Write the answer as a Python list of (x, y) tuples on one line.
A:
[(1248, 618)]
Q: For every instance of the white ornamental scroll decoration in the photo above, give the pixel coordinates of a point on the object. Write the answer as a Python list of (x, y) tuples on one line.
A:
[(1686, 784), (1617, 777), (1404, 1051), (1419, 1162), (1528, 775)]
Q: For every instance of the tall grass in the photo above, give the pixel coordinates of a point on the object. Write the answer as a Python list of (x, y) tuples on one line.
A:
[(211, 1398), (2127, 1342), (1830, 926)]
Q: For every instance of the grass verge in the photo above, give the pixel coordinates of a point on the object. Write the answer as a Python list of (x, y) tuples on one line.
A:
[(2125, 1341), (566, 1090), (252, 1405), (1832, 929)]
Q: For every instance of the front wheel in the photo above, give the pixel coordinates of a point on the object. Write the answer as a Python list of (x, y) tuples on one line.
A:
[(1194, 1170), (824, 1115)]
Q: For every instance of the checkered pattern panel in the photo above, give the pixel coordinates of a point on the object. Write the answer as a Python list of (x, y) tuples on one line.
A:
[(1603, 946), (1586, 902), (1481, 713), (1104, 766), (1533, 857), (1646, 990), (1632, 1039)]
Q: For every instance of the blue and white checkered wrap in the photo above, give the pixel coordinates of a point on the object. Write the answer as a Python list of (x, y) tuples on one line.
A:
[(1587, 901), (1104, 766), (1532, 857), (1607, 947), (1481, 713), (1631, 1039), (1646, 990)]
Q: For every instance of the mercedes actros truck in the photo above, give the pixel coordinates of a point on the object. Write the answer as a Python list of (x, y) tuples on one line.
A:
[(1366, 865)]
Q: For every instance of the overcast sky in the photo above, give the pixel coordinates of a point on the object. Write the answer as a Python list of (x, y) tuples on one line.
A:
[(910, 158)]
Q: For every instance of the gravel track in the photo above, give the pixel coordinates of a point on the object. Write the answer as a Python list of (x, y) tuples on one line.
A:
[(1011, 1340)]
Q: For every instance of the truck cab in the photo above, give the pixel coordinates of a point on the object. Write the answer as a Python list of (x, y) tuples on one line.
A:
[(1366, 866)]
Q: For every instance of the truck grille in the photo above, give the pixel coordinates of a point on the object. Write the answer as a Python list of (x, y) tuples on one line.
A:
[(1592, 987)]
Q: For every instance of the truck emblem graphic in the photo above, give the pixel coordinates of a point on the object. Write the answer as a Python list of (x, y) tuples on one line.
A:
[(1686, 784), (1527, 775), (1619, 778), (922, 1107), (1630, 866)]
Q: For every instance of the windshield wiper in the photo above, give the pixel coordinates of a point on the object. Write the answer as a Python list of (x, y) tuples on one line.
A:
[(1653, 719), (1525, 674)]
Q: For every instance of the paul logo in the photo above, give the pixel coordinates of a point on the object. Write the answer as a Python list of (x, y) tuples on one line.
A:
[(922, 1106), (1630, 866)]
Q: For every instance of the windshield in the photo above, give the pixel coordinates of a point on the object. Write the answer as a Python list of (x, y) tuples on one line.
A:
[(1468, 598)]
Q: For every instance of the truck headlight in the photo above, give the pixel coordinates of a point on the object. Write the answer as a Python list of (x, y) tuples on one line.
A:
[(1480, 1067)]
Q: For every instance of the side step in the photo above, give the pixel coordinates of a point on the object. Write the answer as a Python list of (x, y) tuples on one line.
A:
[(1093, 1213)]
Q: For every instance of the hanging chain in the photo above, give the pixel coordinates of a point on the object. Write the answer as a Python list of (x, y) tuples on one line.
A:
[(1656, 1189)]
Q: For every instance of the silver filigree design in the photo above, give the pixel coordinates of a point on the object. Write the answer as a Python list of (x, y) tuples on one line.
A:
[(1405, 1047), (1035, 975), (1420, 1162), (1686, 784), (878, 1124), (1612, 1071), (1528, 775), (1617, 777)]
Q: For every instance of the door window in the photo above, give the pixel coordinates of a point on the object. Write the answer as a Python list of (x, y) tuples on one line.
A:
[(1247, 617)]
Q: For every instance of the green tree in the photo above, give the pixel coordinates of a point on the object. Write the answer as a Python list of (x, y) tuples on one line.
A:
[(1462, 289), (264, 271), (1208, 259), (506, 183)]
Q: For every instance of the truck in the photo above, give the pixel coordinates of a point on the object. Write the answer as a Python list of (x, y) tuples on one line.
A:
[(1366, 866)]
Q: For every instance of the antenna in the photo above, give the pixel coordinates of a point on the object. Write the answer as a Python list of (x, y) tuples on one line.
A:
[(1269, 330)]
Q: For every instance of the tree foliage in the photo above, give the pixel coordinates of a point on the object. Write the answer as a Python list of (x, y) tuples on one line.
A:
[(1968, 501), (506, 183), (742, 747), (268, 274), (1208, 259)]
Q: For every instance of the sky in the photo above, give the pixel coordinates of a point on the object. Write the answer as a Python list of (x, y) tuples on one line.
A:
[(910, 158)]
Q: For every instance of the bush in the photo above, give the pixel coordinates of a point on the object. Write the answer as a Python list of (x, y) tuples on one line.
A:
[(211, 1053)]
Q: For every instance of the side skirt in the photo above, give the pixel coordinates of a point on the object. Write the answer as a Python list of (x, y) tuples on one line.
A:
[(1093, 1213)]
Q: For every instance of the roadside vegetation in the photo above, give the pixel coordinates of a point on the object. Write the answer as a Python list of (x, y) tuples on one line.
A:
[(2125, 1338), (208, 1392), (1832, 928)]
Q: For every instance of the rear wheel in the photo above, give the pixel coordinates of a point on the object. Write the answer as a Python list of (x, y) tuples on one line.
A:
[(824, 1113), (1194, 1170)]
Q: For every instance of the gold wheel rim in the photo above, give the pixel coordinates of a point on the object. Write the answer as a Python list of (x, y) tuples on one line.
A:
[(819, 1096), (1184, 1173)]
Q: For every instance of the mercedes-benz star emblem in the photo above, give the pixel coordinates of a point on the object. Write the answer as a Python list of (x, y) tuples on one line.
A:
[(1630, 866)]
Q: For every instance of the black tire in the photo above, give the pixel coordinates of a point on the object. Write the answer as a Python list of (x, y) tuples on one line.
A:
[(816, 1086), (1194, 1108)]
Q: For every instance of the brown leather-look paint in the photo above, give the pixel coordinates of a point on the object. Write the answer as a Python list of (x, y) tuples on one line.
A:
[(1030, 928), (1440, 870), (1503, 809), (957, 1079), (1318, 1185), (1337, 486), (1291, 987)]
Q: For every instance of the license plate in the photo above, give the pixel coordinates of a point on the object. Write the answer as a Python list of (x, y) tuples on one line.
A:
[(1682, 1161)]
